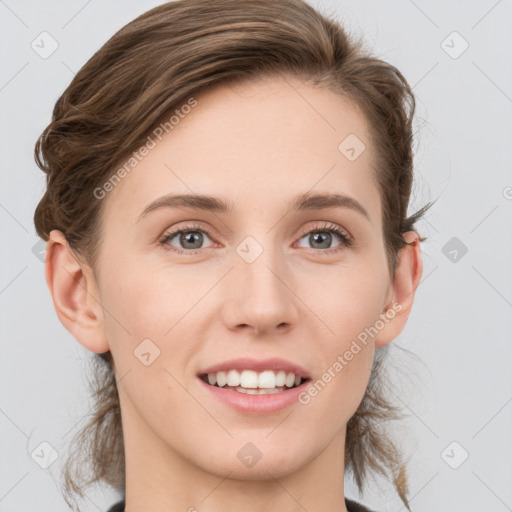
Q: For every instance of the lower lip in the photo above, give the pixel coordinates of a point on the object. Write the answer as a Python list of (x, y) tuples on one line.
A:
[(255, 404)]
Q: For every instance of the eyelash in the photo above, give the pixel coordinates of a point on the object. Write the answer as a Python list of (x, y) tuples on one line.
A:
[(346, 240)]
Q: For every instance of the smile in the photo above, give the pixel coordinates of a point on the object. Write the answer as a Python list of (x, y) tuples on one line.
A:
[(254, 386), (252, 382)]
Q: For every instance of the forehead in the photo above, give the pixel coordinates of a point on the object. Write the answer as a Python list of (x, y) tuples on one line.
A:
[(256, 143)]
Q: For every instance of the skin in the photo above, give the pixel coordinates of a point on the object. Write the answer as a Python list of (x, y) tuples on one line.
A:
[(258, 144)]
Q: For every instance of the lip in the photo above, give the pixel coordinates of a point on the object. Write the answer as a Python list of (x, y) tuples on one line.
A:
[(255, 404), (274, 364)]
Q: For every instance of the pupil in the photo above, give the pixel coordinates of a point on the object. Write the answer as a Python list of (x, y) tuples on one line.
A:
[(189, 238), (317, 237)]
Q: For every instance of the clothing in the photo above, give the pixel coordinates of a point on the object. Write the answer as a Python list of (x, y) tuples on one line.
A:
[(118, 507), (352, 506)]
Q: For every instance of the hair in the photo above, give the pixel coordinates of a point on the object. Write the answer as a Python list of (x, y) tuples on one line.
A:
[(148, 69)]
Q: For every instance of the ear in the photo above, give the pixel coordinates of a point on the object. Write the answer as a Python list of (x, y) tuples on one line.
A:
[(75, 294), (403, 288)]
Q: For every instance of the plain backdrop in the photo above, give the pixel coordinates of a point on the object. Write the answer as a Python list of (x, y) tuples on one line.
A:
[(457, 56)]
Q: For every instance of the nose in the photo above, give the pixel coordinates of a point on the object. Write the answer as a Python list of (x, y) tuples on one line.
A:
[(260, 296)]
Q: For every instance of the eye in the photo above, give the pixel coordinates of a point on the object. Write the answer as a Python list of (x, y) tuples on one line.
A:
[(190, 238), (321, 238)]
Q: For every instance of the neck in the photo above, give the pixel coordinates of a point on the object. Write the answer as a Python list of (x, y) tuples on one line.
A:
[(158, 478)]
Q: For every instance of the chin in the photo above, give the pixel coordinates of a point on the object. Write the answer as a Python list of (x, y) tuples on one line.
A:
[(256, 460)]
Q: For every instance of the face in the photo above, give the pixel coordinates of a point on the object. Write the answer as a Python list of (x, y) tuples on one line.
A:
[(272, 282)]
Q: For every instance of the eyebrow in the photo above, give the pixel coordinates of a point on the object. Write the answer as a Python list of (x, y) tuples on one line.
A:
[(303, 202)]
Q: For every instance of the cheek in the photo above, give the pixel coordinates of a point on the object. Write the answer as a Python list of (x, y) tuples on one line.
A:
[(146, 328), (143, 310), (349, 302), (347, 299), (146, 293)]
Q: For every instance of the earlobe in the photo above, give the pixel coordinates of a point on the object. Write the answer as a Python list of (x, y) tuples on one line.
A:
[(403, 288), (75, 294)]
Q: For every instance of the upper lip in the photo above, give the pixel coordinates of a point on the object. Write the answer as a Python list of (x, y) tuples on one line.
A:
[(257, 365)]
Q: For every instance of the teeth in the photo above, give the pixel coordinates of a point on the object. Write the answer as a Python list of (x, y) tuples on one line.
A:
[(290, 380), (251, 382), (267, 380), (258, 391), (281, 378), (248, 379), (233, 378), (221, 379)]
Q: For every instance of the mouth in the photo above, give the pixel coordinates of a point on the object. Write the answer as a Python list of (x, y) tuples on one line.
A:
[(255, 386), (252, 382)]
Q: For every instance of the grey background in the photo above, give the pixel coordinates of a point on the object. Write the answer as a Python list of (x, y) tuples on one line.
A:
[(460, 328)]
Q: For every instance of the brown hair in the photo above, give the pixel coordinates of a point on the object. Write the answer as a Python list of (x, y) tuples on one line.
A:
[(147, 70)]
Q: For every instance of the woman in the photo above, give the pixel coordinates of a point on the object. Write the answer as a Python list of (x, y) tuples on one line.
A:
[(226, 217)]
